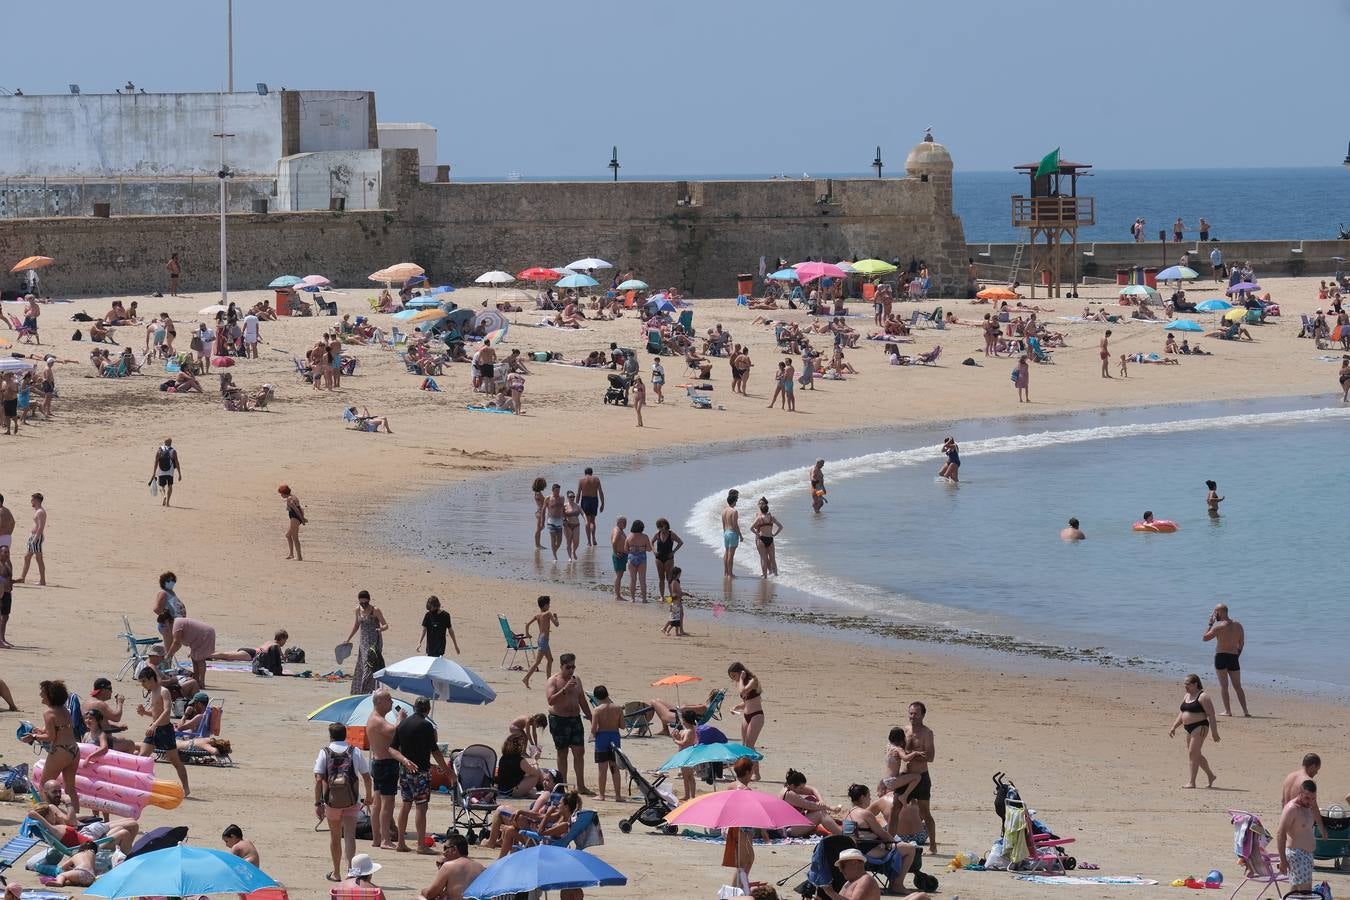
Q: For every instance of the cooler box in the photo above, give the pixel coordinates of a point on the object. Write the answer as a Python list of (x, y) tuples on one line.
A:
[(283, 303), (745, 284), (869, 290)]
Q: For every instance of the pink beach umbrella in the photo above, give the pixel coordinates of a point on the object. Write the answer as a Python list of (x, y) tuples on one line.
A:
[(808, 272), (314, 281), (737, 809)]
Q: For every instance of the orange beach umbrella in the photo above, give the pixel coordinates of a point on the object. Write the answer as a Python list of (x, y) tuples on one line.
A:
[(32, 262), (998, 293), (676, 681)]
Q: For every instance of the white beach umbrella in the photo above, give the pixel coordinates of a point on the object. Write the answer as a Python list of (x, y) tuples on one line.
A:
[(495, 277), (589, 262)]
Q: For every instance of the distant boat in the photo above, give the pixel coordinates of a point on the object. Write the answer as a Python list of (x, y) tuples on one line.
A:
[(513, 176)]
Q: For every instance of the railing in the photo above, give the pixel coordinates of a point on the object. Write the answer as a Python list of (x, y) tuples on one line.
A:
[(1040, 211)]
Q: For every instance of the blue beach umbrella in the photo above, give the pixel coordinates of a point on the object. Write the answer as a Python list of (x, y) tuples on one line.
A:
[(459, 316), (543, 867), (438, 678), (440, 289), (784, 275), (662, 305), (577, 280), (284, 281), (181, 871), (1213, 305), (422, 303), (699, 754), (1183, 325)]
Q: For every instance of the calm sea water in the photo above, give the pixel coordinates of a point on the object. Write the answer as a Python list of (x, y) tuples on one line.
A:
[(1240, 204), (896, 546)]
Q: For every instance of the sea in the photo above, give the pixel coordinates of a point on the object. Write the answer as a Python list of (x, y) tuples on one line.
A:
[(1239, 204), (898, 555)]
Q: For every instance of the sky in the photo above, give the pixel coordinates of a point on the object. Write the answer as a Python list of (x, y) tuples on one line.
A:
[(707, 87)]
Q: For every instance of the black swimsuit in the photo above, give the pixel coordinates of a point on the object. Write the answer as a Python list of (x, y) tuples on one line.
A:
[(665, 549), (1194, 706)]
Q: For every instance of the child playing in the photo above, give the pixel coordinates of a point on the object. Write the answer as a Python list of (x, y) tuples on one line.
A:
[(658, 378), (676, 620), (606, 718), (546, 621), (687, 738), (1124, 370)]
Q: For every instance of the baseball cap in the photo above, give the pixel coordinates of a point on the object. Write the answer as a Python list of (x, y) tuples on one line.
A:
[(101, 684), (201, 697), (852, 853)]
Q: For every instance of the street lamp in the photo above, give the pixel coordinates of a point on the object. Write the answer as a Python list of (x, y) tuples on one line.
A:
[(614, 162), (876, 163), (224, 174)]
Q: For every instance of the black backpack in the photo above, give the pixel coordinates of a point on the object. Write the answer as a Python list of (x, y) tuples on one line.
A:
[(165, 459)]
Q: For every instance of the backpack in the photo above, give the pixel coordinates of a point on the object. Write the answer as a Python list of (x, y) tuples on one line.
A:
[(340, 776), (165, 459), (293, 655)]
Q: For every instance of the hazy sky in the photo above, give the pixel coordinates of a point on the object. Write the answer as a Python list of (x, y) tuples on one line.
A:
[(752, 86)]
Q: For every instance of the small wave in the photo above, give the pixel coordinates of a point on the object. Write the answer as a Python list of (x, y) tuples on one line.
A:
[(705, 521)]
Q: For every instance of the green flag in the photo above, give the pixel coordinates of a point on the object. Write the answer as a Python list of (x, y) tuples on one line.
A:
[(1049, 164)]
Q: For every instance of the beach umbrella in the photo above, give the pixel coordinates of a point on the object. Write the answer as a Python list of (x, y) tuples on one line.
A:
[(495, 277), (1139, 290), (489, 320), (1237, 314), (632, 284), (589, 262), (32, 262), (404, 315), (1183, 325), (1178, 273), (441, 289), (1243, 286), (415, 280), (537, 273), (315, 281), (182, 871), (212, 309), (426, 315), (699, 754), (661, 304), (784, 275), (459, 316), (873, 267), (354, 710), (808, 272), (998, 293), (847, 267), (422, 303), (737, 809), (1215, 305), (543, 867), (404, 271), (13, 364), (284, 281), (577, 280), (438, 678), (675, 681)]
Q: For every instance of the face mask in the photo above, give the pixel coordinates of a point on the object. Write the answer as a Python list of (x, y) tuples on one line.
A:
[(168, 585)]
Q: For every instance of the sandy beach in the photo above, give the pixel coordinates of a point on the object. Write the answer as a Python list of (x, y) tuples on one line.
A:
[(1088, 746)]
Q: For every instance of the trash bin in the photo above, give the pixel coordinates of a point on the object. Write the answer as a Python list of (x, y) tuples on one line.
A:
[(283, 302), (1122, 276), (1045, 277), (745, 285), (260, 205), (1151, 276), (869, 290)]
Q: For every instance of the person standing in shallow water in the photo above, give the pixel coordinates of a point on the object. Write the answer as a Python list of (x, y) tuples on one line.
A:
[(1212, 499), (731, 533), (818, 486), (1229, 639)]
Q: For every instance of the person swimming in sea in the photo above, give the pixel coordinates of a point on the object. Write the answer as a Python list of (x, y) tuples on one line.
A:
[(1212, 499), (951, 469)]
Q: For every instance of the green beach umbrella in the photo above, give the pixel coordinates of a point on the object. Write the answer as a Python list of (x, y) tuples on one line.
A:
[(873, 267)]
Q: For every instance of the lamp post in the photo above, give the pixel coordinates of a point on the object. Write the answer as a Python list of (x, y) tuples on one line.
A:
[(614, 162), (876, 163), (223, 174), (1347, 158), (229, 44)]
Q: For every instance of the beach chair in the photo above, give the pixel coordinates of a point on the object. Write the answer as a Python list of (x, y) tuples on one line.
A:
[(303, 369), (57, 851), (351, 893), (1334, 842), (136, 649), (1261, 867), (515, 643), (1039, 353), (884, 869), (656, 343), (930, 358), (14, 850), (23, 330), (397, 337), (697, 399), (585, 820), (326, 307), (475, 789), (208, 727), (687, 321)]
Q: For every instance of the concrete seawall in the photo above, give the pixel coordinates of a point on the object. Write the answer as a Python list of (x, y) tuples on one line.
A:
[(1101, 260)]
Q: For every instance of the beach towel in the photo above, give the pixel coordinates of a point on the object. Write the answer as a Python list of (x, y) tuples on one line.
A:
[(1086, 879), (491, 409)]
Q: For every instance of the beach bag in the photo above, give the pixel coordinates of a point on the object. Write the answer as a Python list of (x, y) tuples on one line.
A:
[(340, 775), (363, 829), (1014, 375), (77, 336), (539, 356), (374, 659), (293, 655), (925, 882)]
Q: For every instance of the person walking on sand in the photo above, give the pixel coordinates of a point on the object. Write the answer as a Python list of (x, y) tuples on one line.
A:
[(1197, 717), (591, 496), (566, 705), (35, 539), (922, 744), (731, 533), (1022, 378), (175, 270), (606, 720), (618, 554), (546, 620), (1104, 352), (340, 772), (295, 517), (166, 465), (1212, 499), (436, 625), (658, 380), (1229, 638), (817, 479), (1296, 840), (639, 397), (554, 508), (371, 624), (765, 528)]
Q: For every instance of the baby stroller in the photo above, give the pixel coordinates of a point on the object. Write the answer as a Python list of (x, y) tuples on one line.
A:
[(475, 790), (885, 869), (1028, 842), (655, 802), (618, 388)]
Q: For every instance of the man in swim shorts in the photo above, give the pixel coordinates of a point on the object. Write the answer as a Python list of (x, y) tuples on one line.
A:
[(606, 719), (566, 705), (731, 533), (554, 505), (1229, 638), (1295, 838), (921, 740), (6, 524), (386, 764), (415, 737), (618, 553), (546, 620), (592, 499)]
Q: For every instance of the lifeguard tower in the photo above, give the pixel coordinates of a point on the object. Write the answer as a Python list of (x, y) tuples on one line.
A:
[(1052, 211)]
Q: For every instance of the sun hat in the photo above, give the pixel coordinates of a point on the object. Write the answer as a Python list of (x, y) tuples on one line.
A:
[(363, 866), (852, 853)]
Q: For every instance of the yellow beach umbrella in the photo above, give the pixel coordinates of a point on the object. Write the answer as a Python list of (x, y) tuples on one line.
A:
[(873, 267), (431, 314), (1235, 315)]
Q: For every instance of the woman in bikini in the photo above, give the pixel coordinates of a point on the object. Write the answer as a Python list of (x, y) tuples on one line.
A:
[(64, 756), (538, 488), (863, 824), (1345, 379), (571, 524), (766, 528), (637, 546), (1197, 717), (102, 736), (665, 543), (295, 517), (751, 706), (806, 800)]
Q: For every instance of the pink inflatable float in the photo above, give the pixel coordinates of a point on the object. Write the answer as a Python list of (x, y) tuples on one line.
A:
[(121, 784)]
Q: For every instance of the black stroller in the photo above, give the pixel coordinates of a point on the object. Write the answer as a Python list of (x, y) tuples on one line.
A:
[(618, 388), (655, 805)]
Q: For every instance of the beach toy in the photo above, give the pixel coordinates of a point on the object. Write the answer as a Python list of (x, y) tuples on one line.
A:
[(222, 362), (1214, 878), (1157, 526), (121, 784)]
